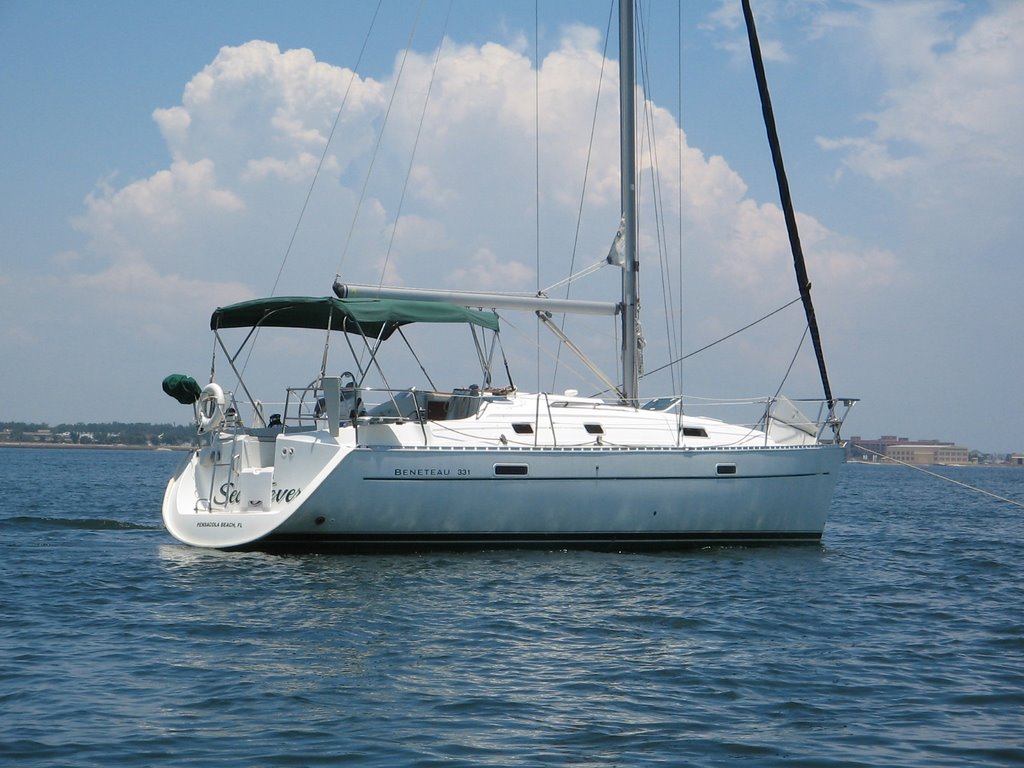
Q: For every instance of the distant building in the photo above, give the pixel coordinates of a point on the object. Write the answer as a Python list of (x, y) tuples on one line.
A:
[(907, 451), (928, 453), (872, 449), (38, 436), (1015, 459)]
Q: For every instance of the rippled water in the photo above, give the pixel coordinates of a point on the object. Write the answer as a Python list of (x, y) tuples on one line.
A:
[(899, 641)]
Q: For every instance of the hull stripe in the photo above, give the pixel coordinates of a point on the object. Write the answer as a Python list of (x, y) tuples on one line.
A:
[(349, 542), (603, 478)]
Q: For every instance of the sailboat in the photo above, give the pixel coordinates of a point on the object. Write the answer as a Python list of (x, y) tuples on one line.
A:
[(345, 466)]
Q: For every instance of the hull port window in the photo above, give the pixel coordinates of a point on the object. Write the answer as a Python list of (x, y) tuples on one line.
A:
[(725, 469), (520, 470)]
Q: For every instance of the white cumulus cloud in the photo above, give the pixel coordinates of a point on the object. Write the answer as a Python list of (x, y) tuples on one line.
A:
[(955, 102)]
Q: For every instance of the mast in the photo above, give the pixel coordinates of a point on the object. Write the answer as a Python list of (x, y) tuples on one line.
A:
[(627, 160)]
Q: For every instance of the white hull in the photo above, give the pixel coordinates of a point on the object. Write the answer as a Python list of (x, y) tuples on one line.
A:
[(317, 491), (491, 466)]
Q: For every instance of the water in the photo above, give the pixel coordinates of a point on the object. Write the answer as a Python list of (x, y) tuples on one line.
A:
[(899, 641)]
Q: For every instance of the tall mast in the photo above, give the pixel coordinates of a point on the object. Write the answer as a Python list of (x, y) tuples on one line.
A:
[(627, 160)]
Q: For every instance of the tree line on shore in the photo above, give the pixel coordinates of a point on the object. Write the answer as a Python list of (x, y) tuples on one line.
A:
[(97, 433)]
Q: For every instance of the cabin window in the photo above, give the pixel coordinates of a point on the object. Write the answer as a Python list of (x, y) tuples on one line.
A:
[(725, 469), (594, 429), (512, 469), (694, 432), (660, 403), (437, 410), (523, 429)]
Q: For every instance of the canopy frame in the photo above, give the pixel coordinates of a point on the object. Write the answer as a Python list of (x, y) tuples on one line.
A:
[(369, 317)]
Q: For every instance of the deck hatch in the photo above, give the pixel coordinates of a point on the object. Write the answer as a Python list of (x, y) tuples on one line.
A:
[(694, 432), (523, 429), (594, 429)]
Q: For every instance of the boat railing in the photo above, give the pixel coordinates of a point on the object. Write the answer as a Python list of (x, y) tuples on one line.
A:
[(398, 405), (766, 413), (306, 407)]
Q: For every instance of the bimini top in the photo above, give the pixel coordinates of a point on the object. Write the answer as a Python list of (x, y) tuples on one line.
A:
[(374, 318)]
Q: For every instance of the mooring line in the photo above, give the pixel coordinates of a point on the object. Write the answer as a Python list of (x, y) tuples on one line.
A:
[(941, 477)]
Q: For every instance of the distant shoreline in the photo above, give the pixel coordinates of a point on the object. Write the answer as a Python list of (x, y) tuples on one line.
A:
[(97, 447), (917, 466)]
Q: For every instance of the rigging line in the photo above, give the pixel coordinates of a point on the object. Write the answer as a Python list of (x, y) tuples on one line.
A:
[(586, 178), (617, 390), (590, 146), (508, 324), (656, 192), (327, 146), (713, 402), (799, 346), (969, 487), (380, 137), (724, 338), (415, 144), (316, 173)]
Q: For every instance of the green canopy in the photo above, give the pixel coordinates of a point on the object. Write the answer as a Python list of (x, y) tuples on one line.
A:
[(371, 317)]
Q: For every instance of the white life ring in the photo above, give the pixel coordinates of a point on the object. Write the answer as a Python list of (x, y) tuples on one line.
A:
[(211, 407)]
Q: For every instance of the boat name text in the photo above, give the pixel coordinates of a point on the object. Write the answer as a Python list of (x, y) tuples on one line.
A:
[(229, 494), (432, 472)]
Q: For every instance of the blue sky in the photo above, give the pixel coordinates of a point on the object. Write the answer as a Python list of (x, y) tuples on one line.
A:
[(156, 156)]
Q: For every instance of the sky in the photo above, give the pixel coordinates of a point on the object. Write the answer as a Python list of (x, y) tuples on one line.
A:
[(157, 160)]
